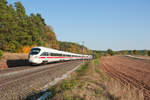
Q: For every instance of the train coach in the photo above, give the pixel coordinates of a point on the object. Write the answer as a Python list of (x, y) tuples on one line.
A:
[(39, 55)]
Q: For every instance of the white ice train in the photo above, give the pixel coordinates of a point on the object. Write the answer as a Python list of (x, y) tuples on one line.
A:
[(39, 55)]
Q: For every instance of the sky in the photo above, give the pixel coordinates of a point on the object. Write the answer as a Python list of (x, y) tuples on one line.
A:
[(101, 24)]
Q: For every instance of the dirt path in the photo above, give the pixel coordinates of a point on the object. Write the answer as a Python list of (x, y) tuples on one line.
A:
[(19, 83), (129, 70)]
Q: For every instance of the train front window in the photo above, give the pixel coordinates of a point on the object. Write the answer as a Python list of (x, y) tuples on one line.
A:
[(35, 51)]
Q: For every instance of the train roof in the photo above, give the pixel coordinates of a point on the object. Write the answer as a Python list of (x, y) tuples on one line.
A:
[(61, 52), (57, 51)]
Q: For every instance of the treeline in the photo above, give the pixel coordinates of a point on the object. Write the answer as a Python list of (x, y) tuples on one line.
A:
[(134, 52), (110, 52), (19, 31), (73, 47)]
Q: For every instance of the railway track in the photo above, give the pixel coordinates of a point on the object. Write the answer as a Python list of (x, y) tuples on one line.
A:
[(124, 77), (24, 82)]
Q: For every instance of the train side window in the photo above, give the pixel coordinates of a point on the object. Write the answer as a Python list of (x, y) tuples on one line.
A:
[(44, 54), (56, 54), (67, 55), (49, 54), (52, 54)]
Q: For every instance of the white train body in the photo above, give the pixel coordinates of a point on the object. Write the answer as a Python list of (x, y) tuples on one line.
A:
[(39, 55)]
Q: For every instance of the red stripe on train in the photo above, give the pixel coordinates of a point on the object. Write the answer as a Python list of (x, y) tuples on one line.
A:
[(61, 57), (55, 57), (42, 57)]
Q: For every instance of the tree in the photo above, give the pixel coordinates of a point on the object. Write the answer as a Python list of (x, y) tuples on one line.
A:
[(134, 52), (22, 32), (96, 55), (148, 53), (73, 47), (3, 23), (145, 52), (110, 52), (124, 52), (51, 38), (1, 53)]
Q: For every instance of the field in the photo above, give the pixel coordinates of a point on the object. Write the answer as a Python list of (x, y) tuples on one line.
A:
[(101, 80), (129, 71)]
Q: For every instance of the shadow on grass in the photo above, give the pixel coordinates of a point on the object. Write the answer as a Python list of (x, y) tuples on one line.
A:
[(35, 96)]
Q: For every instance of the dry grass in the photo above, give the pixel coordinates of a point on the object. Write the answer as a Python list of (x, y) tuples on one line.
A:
[(14, 56), (91, 83)]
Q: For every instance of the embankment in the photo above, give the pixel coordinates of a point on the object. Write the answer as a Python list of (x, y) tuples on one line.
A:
[(10, 60)]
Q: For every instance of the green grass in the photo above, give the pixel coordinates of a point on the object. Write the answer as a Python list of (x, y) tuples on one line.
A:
[(1, 53), (96, 61), (82, 69), (69, 84)]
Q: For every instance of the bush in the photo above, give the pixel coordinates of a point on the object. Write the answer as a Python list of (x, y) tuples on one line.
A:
[(1, 53), (110, 52), (134, 52), (145, 53), (148, 53)]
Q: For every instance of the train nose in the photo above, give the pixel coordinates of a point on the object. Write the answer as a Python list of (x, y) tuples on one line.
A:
[(34, 59), (31, 57)]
